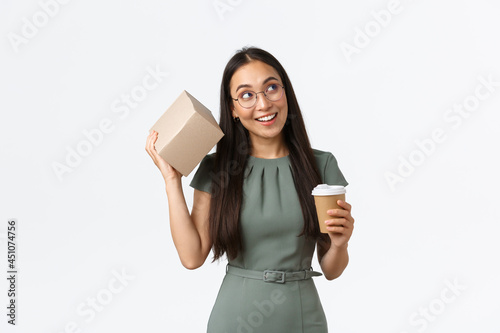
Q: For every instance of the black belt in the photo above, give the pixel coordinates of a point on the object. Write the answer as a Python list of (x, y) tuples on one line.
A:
[(272, 276)]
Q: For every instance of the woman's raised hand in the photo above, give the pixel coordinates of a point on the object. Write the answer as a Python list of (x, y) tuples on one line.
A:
[(168, 172)]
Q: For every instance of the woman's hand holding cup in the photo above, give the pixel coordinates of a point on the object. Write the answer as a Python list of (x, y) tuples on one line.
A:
[(341, 225), (330, 202)]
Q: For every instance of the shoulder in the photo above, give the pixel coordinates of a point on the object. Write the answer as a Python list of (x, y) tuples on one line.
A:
[(207, 163), (320, 153), (329, 168), (208, 159), (323, 157), (202, 179)]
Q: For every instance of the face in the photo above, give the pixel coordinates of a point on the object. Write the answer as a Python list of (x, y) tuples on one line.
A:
[(265, 119)]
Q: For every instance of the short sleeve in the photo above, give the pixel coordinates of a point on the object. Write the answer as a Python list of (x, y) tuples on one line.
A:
[(202, 179), (329, 169)]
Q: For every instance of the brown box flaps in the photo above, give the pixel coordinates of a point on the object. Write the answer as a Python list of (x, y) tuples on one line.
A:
[(187, 131)]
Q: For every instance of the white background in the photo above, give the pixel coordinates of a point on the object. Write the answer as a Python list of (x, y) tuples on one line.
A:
[(438, 227)]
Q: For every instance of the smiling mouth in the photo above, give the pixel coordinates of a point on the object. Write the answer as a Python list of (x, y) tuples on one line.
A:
[(267, 118)]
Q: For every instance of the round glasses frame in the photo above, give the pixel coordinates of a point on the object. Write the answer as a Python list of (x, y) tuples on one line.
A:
[(264, 93)]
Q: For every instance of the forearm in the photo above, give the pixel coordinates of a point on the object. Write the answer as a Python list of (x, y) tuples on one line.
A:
[(334, 261), (186, 237)]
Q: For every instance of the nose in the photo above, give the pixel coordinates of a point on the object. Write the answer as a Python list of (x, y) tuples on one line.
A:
[(262, 103)]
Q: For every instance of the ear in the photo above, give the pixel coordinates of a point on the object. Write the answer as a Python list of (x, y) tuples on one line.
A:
[(234, 112)]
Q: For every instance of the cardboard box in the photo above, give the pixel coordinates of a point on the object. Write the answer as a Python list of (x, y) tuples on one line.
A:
[(187, 131)]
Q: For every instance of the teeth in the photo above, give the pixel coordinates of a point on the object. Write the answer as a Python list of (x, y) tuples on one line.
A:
[(267, 118)]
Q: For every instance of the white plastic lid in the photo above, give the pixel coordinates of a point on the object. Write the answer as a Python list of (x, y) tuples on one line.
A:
[(324, 189)]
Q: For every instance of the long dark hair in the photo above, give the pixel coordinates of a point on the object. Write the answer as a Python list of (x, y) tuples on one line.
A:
[(231, 159)]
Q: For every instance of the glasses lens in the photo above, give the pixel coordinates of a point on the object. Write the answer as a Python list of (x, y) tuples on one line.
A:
[(247, 99), (274, 92)]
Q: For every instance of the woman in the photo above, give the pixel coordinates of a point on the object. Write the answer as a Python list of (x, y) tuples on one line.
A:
[(253, 203)]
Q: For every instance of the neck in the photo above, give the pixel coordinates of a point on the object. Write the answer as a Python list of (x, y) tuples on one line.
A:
[(268, 147)]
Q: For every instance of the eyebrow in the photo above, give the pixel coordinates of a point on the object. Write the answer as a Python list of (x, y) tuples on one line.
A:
[(249, 86)]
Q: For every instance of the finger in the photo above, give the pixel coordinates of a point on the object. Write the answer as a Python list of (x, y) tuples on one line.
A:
[(338, 212), (152, 151), (152, 141), (336, 230), (336, 222), (346, 225), (344, 205), (149, 145), (147, 140), (150, 138)]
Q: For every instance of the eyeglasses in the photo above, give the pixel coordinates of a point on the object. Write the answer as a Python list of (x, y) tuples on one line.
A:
[(248, 98)]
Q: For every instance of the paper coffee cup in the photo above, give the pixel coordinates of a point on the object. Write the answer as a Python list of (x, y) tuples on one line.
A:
[(325, 198)]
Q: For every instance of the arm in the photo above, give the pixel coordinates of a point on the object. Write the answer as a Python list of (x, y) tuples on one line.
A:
[(332, 252), (189, 231)]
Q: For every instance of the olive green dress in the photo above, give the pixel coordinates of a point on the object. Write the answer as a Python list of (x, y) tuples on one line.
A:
[(271, 218)]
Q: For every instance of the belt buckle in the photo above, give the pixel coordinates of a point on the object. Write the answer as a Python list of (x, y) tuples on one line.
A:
[(266, 278)]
